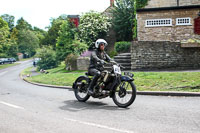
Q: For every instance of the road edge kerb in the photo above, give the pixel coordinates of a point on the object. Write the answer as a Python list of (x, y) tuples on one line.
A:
[(153, 93), (45, 85), (169, 93)]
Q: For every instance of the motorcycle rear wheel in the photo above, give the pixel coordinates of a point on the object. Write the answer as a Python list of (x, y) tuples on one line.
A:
[(81, 90), (121, 95)]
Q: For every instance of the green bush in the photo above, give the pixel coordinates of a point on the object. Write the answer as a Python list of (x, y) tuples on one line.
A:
[(48, 58), (112, 53), (70, 62), (122, 47)]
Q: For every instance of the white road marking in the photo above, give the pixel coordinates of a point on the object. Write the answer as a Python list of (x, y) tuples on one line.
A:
[(3, 73), (11, 105), (99, 126)]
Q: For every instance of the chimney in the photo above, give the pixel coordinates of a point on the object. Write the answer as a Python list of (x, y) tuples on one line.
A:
[(112, 2)]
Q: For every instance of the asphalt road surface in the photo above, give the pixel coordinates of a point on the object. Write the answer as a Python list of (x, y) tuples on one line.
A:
[(27, 108)]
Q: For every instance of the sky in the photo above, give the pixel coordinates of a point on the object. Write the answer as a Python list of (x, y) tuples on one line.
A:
[(39, 12)]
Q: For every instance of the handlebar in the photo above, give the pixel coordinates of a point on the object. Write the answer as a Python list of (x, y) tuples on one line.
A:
[(122, 67), (113, 63)]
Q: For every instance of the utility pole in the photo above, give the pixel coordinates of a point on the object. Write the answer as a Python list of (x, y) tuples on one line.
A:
[(177, 2)]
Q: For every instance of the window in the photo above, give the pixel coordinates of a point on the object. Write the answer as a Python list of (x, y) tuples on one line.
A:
[(158, 22), (183, 21)]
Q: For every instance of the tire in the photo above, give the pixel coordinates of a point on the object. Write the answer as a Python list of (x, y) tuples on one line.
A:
[(120, 94), (81, 89)]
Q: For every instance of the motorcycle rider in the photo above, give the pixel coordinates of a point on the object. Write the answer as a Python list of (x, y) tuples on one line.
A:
[(97, 59)]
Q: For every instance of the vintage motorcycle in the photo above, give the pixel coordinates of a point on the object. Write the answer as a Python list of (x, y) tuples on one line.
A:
[(110, 83)]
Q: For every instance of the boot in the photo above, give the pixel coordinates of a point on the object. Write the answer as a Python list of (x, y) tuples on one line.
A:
[(91, 86)]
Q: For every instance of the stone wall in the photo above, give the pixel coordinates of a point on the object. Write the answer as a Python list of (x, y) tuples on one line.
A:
[(83, 63), (171, 3), (163, 55), (174, 33)]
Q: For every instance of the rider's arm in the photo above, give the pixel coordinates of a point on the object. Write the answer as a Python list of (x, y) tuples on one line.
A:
[(108, 59), (94, 55)]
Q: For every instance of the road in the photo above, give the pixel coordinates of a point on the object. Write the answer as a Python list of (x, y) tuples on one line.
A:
[(27, 108)]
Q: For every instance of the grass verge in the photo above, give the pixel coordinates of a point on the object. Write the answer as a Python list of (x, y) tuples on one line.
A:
[(144, 81)]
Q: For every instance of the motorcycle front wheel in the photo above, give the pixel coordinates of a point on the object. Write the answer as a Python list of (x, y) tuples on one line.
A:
[(81, 90), (124, 94)]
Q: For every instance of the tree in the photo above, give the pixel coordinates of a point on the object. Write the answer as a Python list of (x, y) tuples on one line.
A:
[(4, 36), (9, 19), (53, 33), (23, 25), (92, 26), (28, 42), (13, 46), (48, 58), (40, 34), (8, 45), (123, 18), (65, 42)]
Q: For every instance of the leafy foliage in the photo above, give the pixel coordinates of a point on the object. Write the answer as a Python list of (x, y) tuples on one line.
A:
[(123, 18), (141, 3), (48, 58), (65, 42), (50, 38), (122, 47), (8, 44), (112, 53), (9, 19), (137, 4), (40, 34), (4, 34), (28, 42), (23, 25), (92, 26), (70, 61)]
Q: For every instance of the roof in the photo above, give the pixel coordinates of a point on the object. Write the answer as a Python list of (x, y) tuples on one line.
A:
[(73, 16), (168, 8)]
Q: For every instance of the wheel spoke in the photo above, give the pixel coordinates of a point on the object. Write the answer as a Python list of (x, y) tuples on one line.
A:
[(126, 93), (81, 90)]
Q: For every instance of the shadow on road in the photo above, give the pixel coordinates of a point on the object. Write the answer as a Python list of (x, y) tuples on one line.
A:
[(75, 106)]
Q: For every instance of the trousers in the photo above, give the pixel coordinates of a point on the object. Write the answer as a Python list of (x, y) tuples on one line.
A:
[(96, 73)]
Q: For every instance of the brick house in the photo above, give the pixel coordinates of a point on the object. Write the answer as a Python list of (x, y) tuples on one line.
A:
[(172, 20), (74, 19), (163, 26), (111, 35)]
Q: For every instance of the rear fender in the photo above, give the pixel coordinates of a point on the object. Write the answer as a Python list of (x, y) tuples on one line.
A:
[(75, 83)]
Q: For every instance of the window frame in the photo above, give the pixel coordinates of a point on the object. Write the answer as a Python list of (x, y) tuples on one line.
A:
[(158, 22), (183, 19)]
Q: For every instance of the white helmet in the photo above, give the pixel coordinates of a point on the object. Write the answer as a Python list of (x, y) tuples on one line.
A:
[(99, 41)]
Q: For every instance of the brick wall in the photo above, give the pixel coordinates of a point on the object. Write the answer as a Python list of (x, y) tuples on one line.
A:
[(163, 55), (174, 33), (170, 3)]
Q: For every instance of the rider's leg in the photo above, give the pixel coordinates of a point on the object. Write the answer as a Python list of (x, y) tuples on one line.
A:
[(96, 75)]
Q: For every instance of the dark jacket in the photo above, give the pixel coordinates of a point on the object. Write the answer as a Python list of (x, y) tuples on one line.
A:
[(96, 56)]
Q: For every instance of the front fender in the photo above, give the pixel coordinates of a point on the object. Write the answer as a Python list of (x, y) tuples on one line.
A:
[(126, 78)]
